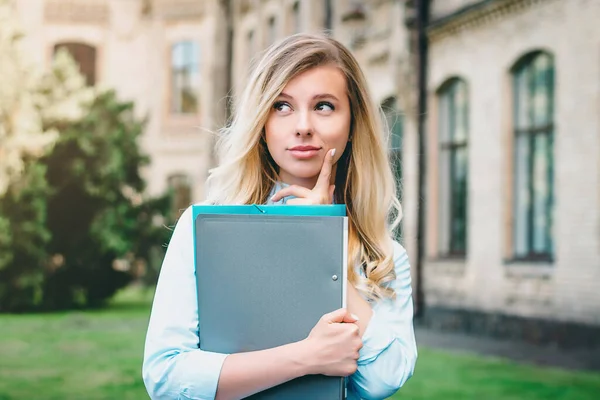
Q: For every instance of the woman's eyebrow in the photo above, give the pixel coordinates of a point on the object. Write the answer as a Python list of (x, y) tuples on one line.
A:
[(325, 96), (315, 97)]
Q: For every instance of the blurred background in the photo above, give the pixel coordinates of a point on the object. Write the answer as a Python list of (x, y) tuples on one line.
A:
[(108, 114)]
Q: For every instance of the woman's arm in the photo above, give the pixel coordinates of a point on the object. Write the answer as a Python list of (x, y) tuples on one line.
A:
[(389, 353), (244, 374), (359, 307), (175, 367)]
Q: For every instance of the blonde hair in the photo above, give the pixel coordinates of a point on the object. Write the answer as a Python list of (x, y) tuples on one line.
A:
[(364, 177)]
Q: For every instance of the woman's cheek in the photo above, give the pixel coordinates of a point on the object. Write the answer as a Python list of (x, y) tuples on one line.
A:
[(334, 132)]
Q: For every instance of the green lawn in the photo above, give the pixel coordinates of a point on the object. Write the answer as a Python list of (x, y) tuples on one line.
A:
[(97, 355)]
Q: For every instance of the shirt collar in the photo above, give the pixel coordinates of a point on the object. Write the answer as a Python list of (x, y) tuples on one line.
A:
[(276, 188)]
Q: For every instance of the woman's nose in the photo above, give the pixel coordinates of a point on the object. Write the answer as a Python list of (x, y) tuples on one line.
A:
[(303, 124)]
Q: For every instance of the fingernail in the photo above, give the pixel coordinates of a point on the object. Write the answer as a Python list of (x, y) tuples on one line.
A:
[(354, 316), (332, 152)]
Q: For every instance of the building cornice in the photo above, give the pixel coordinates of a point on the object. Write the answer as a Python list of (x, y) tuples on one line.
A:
[(176, 10), (478, 14), (94, 12), (98, 12)]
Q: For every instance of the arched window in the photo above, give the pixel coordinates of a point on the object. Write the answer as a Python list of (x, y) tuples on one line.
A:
[(185, 77), (85, 56), (453, 167), (533, 95)]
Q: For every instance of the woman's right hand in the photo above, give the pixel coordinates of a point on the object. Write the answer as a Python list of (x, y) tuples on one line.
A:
[(333, 344), (323, 191)]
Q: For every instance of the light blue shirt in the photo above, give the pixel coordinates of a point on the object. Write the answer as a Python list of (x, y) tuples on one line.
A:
[(174, 366)]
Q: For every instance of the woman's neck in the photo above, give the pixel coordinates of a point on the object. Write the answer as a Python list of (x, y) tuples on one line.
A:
[(308, 183)]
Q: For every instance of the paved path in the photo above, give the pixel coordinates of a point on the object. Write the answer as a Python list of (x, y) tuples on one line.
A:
[(580, 359)]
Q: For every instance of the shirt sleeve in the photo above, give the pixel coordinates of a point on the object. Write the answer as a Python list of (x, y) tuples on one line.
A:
[(174, 367), (389, 353)]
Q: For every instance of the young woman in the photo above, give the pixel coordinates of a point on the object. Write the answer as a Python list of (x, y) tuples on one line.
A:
[(305, 132)]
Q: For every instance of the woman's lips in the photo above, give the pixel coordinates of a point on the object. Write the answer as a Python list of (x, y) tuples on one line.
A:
[(304, 152)]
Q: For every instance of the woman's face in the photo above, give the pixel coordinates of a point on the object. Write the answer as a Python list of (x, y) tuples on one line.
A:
[(310, 117)]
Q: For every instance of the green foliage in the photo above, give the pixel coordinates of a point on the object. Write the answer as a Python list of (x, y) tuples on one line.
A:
[(96, 213), (74, 226), (23, 239), (86, 193), (77, 211)]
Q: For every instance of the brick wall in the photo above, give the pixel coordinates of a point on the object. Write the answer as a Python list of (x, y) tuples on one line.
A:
[(483, 53)]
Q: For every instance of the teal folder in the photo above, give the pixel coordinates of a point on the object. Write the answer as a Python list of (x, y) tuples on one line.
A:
[(333, 210), (265, 275)]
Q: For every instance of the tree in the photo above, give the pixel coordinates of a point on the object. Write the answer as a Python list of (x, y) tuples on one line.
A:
[(72, 209), (20, 125), (23, 239), (97, 214), (23, 187)]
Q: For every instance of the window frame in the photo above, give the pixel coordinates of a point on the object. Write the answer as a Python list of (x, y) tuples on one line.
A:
[(272, 29), (524, 69), (449, 149), (176, 183), (188, 63), (389, 107), (87, 67), (297, 16)]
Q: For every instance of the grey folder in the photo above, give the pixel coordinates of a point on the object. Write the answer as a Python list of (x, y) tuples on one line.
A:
[(264, 281)]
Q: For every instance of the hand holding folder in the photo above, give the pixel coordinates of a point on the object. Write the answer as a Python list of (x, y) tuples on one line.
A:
[(258, 265), (326, 337)]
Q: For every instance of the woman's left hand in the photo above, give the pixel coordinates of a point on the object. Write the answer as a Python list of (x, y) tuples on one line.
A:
[(322, 193)]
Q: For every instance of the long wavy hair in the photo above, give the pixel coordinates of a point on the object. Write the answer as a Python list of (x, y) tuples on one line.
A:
[(364, 179)]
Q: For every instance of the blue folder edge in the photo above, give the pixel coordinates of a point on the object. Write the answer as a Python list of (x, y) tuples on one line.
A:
[(325, 210)]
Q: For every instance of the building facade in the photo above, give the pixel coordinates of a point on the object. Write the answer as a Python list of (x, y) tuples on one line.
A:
[(164, 55), (511, 201), (510, 194), (513, 154), (179, 61)]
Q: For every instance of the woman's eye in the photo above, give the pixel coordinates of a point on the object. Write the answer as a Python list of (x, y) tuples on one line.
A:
[(325, 106), (282, 106)]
